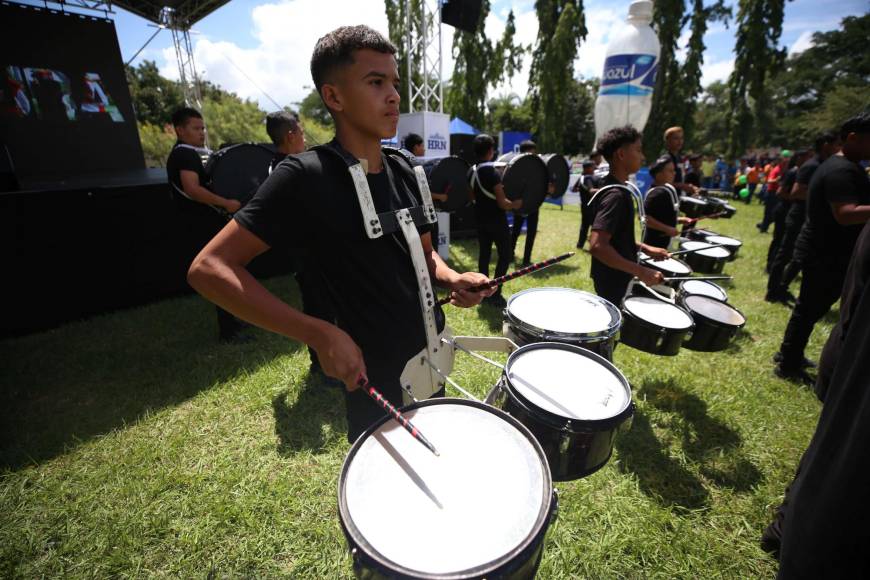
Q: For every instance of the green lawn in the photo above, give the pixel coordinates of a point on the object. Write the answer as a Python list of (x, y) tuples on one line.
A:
[(134, 445)]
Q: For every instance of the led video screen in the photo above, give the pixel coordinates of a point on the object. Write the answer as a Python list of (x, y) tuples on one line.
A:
[(65, 107)]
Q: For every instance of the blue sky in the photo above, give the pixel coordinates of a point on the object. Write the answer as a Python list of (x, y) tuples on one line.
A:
[(272, 41)]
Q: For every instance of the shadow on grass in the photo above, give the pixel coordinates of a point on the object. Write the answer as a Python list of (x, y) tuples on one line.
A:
[(66, 386), (314, 420)]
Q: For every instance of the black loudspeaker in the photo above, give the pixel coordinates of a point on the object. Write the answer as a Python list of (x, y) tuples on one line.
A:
[(461, 14)]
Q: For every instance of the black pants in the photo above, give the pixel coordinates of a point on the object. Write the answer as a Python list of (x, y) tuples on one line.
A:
[(771, 203), (612, 288), (531, 231), (489, 233), (785, 267), (586, 218), (821, 286), (778, 220), (315, 301)]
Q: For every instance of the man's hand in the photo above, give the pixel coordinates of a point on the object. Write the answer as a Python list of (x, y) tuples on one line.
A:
[(232, 205), (650, 277), (465, 299), (339, 355), (551, 188), (516, 204), (657, 254)]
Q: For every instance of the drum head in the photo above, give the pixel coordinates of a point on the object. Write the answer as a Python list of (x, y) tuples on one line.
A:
[(525, 177), (237, 171), (671, 266), (709, 252), (704, 288), (715, 310), (559, 171), (658, 312), (568, 381), (450, 175), (565, 311), (471, 509), (729, 242)]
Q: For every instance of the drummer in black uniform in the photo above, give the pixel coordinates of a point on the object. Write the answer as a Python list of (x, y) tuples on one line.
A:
[(312, 202), (612, 243), (490, 205), (662, 204), (527, 146), (286, 133), (197, 208)]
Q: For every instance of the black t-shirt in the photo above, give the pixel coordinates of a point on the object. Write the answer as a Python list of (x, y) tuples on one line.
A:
[(277, 158), (309, 203), (806, 171), (837, 180), (788, 181), (185, 158), (693, 177), (678, 167), (614, 214), (659, 204), (486, 209)]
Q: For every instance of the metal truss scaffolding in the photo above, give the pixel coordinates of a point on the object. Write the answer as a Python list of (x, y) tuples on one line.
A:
[(423, 47), (187, 76)]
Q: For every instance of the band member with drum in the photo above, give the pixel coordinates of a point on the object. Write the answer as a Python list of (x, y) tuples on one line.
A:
[(586, 186), (195, 205), (413, 144), (527, 146), (838, 205), (316, 201), (490, 205), (612, 243), (662, 205), (286, 133), (674, 144)]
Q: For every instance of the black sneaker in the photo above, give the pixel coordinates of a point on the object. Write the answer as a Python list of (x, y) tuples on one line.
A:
[(771, 540), (798, 376), (806, 363), (779, 298)]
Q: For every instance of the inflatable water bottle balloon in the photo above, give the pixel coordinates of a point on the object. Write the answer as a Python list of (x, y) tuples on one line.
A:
[(630, 63)]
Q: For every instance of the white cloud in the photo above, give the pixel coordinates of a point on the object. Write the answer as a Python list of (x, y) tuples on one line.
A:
[(716, 71), (601, 23), (803, 42)]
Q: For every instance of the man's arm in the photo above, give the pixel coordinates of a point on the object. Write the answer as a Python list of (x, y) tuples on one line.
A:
[(655, 224), (196, 192), (849, 214), (798, 192), (602, 250), (503, 202), (219, 273), (446, 277)]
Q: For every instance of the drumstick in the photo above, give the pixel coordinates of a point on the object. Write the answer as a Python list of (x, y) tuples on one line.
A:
[(515, 274), (677, 278), (708, 247), (395, 414)]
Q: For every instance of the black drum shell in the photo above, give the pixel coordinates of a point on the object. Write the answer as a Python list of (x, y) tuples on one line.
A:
[(449, 171), (705, 264), (574, 448), (709, 335), (237, 171), (668, 273), (559, 172), (525, 177), (725, 209), (693, 209), (603, 346), (643, 335), (521, 566)]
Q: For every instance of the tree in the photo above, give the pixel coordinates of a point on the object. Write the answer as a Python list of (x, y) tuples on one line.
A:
[(154, 97), (561, 29), (757, 56), (312, 107), (711, 121), (509, 113), (578, 133)]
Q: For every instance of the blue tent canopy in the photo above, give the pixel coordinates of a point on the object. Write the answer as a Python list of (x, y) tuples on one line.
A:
[(459, 126)]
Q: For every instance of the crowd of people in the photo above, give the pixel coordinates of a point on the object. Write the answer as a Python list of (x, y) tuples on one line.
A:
[(368, 308)]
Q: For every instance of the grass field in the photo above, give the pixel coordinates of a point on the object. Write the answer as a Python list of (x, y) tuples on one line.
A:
[(134, 445)]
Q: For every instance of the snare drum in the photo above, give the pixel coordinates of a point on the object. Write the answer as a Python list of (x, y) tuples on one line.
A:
[(572, 400), (716, 323), (653, 325), (703, 288), (731, 244), (668, 267), (481, 509), (563, 315), (705, 261), (694, 207)]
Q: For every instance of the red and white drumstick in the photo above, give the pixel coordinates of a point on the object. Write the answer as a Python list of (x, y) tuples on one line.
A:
[(515, 274), (395, 414), (707, 247)]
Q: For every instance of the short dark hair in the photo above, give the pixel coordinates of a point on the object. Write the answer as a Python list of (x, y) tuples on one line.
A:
[(858, 124), (411, 140), (527, 145), (616, 138), (482, 144), (823, 139), (182, 115), (335, 49), (279, 124), (659, 164)]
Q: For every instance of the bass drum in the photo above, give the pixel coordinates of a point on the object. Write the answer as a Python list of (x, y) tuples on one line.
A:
[(237, 171), (559, 171), (409, 514), (524, 176), (449, 175)]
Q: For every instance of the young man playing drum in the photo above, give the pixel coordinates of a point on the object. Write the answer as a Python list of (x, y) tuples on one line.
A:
[(612, 243), (325, 201), (662, 205), (287, 135)]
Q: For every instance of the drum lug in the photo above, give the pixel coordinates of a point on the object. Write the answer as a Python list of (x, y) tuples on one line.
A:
[(565, 441)]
